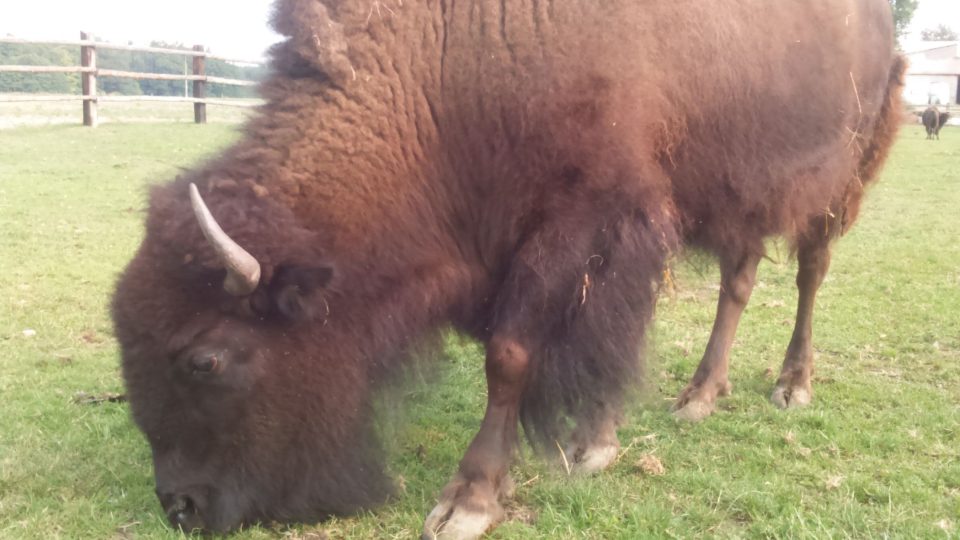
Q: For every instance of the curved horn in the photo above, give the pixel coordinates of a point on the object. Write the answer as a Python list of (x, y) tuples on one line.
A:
[(243, 270)]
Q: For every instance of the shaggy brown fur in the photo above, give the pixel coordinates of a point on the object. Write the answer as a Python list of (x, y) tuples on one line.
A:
[(520, 170)]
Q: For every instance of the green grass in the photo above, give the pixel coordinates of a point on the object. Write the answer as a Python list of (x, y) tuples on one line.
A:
[(876, 455)]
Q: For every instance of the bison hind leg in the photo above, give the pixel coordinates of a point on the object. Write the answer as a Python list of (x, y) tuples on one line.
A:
[(737, 276), (793, 387)]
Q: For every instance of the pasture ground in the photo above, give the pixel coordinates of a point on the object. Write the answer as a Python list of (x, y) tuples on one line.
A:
[(30, 113), (876, 455)]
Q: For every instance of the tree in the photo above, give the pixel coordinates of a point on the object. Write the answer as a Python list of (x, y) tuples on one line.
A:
[(219, 68), (118, 60), (940, 33), (162, 63), (38, 55), (144, 62), (902, 14)]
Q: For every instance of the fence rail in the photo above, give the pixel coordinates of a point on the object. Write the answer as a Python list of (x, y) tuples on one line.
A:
[(45, 69), (14, 98), (89, 72)]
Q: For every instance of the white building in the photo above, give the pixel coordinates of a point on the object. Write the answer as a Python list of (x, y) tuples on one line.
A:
[(933, 77)]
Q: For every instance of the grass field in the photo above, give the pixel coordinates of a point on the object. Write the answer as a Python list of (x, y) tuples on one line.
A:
[(876, 455), (25, 113)]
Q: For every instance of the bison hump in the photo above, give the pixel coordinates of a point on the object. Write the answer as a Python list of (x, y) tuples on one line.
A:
[(314, 38)]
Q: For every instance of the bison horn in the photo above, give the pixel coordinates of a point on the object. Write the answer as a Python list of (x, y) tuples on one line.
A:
[(243, 270)]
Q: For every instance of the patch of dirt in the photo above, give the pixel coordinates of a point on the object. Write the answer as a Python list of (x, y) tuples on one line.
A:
[(91, 337), (521, 513), (83, 398), (308, 535), (124, 533), (834, 482), (651, 465)]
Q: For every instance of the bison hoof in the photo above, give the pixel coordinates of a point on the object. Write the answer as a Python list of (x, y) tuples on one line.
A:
[(465, 511), (693, 411), (444, 523), (787, 397), (696, 402), (590, 460)]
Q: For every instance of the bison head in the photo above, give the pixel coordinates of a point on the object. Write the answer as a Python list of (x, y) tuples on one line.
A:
[(251, 399)]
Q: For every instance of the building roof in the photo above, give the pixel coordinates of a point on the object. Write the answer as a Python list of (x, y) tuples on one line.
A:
[(915, 47), (934, 58)]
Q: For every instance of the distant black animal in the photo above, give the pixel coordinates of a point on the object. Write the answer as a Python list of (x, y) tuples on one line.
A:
[(933, 120), (519, 170)]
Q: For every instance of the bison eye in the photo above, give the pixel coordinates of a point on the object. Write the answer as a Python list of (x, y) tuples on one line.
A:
[(204, 363)]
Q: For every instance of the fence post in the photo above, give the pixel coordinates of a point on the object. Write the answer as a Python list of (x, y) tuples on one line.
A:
[(199, 88), (88, 81)]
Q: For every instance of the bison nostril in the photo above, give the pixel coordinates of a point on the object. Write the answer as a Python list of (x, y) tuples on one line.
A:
[(182, 513), (205, 363)]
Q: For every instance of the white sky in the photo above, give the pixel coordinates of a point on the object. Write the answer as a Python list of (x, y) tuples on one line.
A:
[(236, 28), (931, 13)]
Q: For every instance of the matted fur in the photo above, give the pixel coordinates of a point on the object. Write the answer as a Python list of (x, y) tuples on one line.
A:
[(523, 164)]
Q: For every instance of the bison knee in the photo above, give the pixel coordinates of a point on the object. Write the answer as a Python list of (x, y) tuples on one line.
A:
[(739, 286), (507, 366)]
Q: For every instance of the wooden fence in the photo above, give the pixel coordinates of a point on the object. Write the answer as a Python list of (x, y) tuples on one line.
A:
[(89, 72)]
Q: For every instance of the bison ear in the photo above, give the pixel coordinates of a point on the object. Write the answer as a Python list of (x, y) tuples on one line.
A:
[(296, 291)]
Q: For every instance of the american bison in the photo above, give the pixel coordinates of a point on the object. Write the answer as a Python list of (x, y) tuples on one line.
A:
[(933, 121), (519, 171)]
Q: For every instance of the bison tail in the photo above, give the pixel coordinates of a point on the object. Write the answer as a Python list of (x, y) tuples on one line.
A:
[(887, 123), (880, 141), (592, 351)]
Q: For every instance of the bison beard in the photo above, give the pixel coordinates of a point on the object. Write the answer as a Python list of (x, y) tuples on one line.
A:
[(519, 172)]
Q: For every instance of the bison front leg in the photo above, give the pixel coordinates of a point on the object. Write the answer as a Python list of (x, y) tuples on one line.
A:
[(793, 387), (566, 340), (470, 503), (594, 444), (737, 276)]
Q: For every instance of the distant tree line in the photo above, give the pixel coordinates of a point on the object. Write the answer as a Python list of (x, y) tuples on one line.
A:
[(144, 62), (940, 33)]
